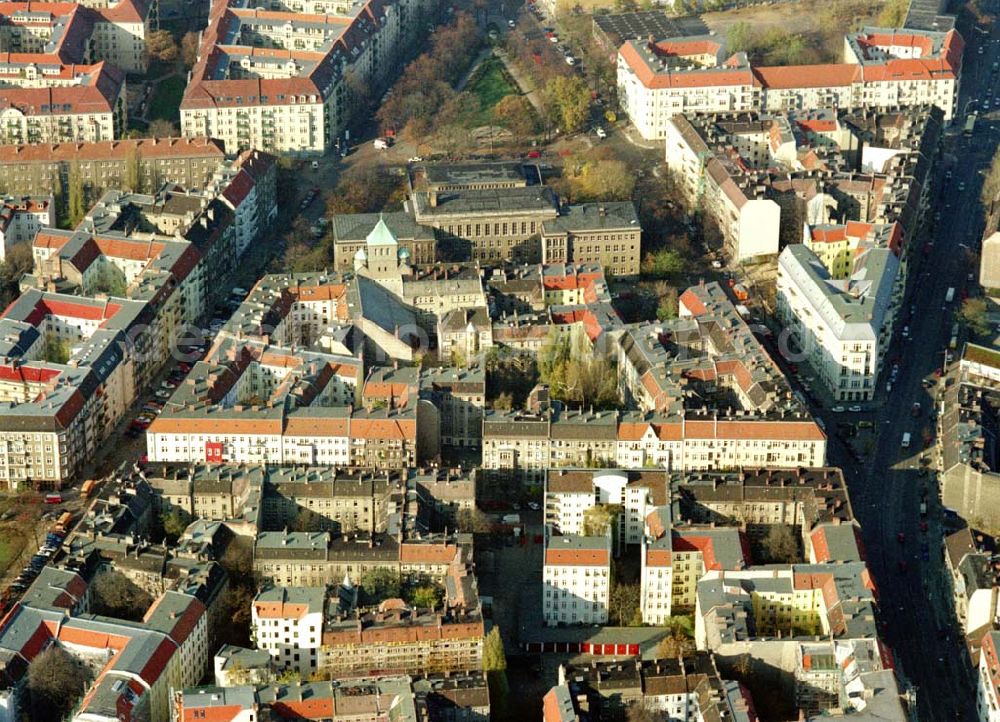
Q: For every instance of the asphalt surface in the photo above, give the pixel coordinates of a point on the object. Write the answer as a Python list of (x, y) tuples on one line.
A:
[(886, 488)]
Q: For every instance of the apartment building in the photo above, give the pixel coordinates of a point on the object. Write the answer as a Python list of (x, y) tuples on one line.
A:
[(287, 622), (988, 678), (33, 169), (136, 665), (77, 103), (277, 77), (880, 69), (850, 175), (250, 403), (843, 325), (687, 689), (433, 698), (576, 580), (21, 218), (569, 493), (309, 559), (974, 583)]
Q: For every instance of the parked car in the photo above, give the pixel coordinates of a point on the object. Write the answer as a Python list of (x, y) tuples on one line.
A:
[(600, 132)]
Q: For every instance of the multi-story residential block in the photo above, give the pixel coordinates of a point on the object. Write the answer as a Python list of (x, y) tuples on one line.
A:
[(835, 167), (974, 582), (22, 218), (188, 162), (569, 493), (843, 325), (671, 373), (298, 99), (576, 579), (287, 622), (688, 689), (136, 664), (881, 69), (457, 697), (309, 559), (988, 678), (459, 395)]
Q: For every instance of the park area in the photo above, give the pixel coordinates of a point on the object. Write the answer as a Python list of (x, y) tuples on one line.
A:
[(490, 83)]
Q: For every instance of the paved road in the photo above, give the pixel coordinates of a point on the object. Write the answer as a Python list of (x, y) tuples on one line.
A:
[(887, 489)]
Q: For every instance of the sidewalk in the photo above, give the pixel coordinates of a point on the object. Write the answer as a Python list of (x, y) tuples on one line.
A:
[(530, 93)]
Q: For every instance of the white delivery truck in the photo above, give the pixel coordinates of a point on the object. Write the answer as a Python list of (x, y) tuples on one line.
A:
[(950, 296), (906, 439)]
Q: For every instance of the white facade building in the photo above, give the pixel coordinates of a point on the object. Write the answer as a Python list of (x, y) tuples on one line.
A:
[(287, 622), (842, 326), (576, 580)]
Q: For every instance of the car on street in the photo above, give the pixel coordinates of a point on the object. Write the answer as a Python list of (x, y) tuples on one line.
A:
[(855, 409), (511, 24), (901, 537), (600, 132), (837, 409)]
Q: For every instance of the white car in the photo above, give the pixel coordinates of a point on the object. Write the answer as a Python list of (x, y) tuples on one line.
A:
[(415, 159), (554, 39), (570, 60), (837, 409), (855, 409), (511, 24), (716, 264), (601, 133)]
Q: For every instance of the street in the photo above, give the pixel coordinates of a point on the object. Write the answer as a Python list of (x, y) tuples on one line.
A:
[(886, 488)]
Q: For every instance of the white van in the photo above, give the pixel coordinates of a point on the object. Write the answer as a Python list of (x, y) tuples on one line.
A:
[(906, 440)]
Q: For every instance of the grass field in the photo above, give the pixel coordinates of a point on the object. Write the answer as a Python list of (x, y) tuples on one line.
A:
[(167, 99), (490, 84), (11, 545)]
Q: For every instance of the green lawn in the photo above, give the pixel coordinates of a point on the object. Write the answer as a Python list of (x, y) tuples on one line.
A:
[(167, 99), (10, 547), (490, 83)]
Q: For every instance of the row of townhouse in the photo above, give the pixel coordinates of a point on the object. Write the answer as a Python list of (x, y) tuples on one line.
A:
[(64, 68), (311, 559), (687, 689), (770, 179), (101, 166), (881, 68), (310, 629), (281, 76), (432, 698)]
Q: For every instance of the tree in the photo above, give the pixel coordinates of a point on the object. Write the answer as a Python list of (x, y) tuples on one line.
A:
[(17, 262), (378, 585), (425, 597), (623, 605), (504, 402), (56, 350), (667, 301), (495, 667), (112, 594), (679, 640), (516, 114), (308, 520), (597, 519), (76, 203), (472, 521), (132, 179), (663, 263), (189, 49), (893, 14), (108, 279), (567, 100), (160, 45), (56, 682), (602, 180), (575, 374), (780, 545), (174, 523), (161, 128), (973, 316)]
